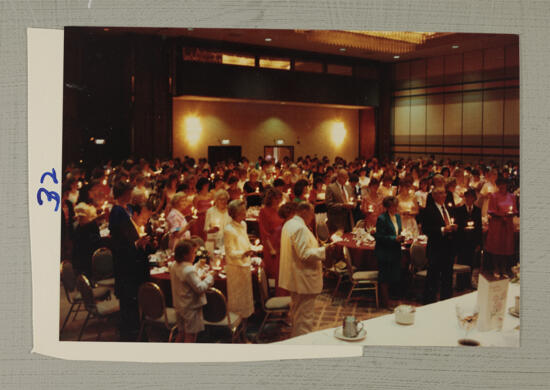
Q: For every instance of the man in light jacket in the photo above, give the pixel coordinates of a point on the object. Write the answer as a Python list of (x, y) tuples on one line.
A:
[(301, 269)]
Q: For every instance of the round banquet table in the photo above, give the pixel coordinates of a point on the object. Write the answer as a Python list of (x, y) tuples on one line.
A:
[(163, 281), (362, 256)]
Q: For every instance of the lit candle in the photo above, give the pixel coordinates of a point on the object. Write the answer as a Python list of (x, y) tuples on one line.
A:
[(241, 197), (212, 176), (370, 209), (194, 210), (211, 203), (79, 185), (142, 231), (104, 182), (257, 190), (511, 209), (108, 172), (307, 196), (288, 192), (470, 225), (257, 242), (449, 204), (452, 221)]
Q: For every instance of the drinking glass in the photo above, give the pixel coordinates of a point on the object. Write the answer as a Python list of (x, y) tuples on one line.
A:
[(467, 315)]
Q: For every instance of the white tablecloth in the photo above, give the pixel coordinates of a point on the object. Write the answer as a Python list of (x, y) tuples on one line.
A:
[(435, 325)]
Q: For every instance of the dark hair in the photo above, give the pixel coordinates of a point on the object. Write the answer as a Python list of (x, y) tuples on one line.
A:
[(471, 192), (374, 181), (501, 180), (121, 188), (300, 187), (389, 201), (271, 195), (278, 183), (201, 183), (304, 206), (183, 249), (232, 179), (287, 209), (353, 178)]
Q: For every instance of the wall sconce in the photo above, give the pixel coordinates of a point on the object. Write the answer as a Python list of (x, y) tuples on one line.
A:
[(338, 133), (193, 129), (225, 142), (99, 141), (279, 142)]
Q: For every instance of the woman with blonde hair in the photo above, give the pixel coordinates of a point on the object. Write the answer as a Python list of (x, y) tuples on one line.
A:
[(217, 217), (238, 250), (178, 219)]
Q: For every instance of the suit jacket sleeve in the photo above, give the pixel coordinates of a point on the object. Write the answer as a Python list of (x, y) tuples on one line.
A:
[(432, 225), (303, 248)]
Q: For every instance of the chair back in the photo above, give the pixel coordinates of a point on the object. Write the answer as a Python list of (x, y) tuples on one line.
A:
[(102, 264), (151, 301), (322, 232), (215, 309), (347, 259), (263, 285), (85, 289), (418, 256), (68, 278)]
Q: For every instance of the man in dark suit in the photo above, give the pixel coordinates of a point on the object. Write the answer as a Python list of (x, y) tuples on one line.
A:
[(440, 229), (470, 230), (340, 201)]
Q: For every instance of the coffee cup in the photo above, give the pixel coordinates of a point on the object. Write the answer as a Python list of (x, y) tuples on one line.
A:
[(351, 327), (404, 314)]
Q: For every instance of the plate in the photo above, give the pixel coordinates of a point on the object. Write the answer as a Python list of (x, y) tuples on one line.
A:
[(339, 335), (512, 311)]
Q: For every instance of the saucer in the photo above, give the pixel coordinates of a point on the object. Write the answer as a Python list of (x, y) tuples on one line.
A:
[(339, 335), (512, 311)]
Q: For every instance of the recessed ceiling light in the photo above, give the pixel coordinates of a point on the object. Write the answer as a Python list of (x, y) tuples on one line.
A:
[(268, 39), (396, 57), (455, 46), (105, 29)]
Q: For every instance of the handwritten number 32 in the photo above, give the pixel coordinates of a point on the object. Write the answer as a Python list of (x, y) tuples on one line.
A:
[(50, 195)]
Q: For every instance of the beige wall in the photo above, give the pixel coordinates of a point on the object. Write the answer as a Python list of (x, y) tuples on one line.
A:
[(254, 125), (463, 106)]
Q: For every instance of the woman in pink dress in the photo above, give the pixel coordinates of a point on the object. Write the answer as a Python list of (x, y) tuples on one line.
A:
[(371, 204), (202, 202), (270, 224), (500, 242)]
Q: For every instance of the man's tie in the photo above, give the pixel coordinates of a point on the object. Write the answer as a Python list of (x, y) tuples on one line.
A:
[(445, 216), (344, 193)]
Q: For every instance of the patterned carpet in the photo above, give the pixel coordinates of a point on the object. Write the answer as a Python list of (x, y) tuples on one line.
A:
[(330, 313)]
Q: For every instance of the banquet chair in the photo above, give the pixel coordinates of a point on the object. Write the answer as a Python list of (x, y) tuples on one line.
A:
[(103, 268), (270, 305), (361, 280), (153, 310), (419, 264), (102, 311), (216, 314), (323, 234), (461, 270), (68, 279)]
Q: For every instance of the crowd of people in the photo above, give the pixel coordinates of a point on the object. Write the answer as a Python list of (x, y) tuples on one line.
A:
[(463, 209)]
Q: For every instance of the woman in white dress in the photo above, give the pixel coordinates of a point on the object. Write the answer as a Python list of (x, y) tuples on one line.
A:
[(237, 256), (408, 207), (216, 218)]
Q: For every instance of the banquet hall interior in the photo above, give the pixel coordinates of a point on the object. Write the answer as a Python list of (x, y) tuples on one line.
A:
[(281, 186)]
